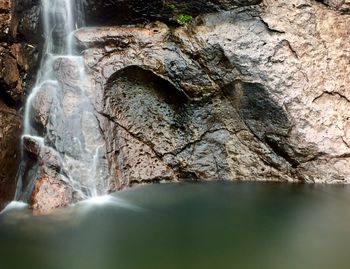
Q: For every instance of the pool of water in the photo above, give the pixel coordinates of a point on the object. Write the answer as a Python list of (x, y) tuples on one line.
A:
[(187, 226)]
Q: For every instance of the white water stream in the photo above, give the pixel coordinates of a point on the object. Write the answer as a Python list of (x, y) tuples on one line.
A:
[(59, 102)]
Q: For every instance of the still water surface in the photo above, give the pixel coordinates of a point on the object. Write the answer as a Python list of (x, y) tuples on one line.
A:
[(187, 226)]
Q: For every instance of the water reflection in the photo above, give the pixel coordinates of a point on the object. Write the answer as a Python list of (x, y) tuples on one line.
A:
[(214, 225)]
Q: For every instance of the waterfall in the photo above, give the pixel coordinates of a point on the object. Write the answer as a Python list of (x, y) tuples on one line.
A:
[(60, 126)]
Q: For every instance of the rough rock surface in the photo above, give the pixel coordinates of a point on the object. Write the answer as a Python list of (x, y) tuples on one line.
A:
[(14, 67), (10, 131), (67, 142), (15, 51), (341, 5), (48, 194), (49, 189), (249, 90), (255, 93)]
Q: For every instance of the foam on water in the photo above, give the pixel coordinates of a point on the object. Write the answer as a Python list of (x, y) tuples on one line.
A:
[(14, 205), (107, 200)]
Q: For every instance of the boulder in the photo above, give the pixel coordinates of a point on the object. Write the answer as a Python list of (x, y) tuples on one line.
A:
[(32, 146), (41, 106), (48, 194)]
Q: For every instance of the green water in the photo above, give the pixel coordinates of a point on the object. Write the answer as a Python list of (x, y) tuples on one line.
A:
[(187, 226)]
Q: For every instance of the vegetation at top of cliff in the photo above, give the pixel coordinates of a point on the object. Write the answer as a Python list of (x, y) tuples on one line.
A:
[(175, 16), (184, 18)]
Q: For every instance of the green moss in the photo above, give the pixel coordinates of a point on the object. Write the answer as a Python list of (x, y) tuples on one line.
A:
[(184, 18)]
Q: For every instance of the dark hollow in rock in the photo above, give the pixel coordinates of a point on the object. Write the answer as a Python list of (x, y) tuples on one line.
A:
[(156, 127), (164, 90), (258, 109), (266, 119)]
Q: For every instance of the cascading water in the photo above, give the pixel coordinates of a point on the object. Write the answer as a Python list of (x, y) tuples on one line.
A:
[(60, 127)]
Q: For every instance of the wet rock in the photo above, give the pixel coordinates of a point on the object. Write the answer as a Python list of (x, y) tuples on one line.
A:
[(5, 18), (49, 194), (51, 159), (11, 78), (133, 162), (10, 131), (32, 147), (68, 72), (261, 98), (42, 105), (29, 25), (17, 54), (14, 67)]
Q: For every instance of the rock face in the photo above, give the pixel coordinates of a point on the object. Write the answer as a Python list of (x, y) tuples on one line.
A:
[(111, 12), (341, 5), (15, 49), (255, 93), (14, 68), (10, 131), (248, 90)]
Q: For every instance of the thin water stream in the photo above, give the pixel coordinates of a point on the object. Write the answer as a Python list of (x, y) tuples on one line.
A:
[(59, 116)]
